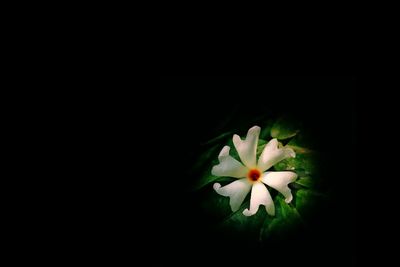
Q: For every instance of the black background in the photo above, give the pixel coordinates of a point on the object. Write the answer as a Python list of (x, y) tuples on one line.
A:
[(195, 109)]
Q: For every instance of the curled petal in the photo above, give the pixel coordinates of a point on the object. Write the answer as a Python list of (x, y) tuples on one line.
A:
[(228, 166), (272, 154), (260, 196), (247, 149), (236, 191), (280, 181)]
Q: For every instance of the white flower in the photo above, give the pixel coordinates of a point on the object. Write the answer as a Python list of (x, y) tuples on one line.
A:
[(253, 175)]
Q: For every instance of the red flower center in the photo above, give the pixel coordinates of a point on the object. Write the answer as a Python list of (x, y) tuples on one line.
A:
[(254, 175)]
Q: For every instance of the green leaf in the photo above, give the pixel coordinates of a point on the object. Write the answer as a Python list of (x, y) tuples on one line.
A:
[(305, 181), (288, 211), (285, 128), (301, 144), (299, 149), (302, 140), (303, 164), (260, 147), (271, 228), (306, 200), (245, 226), (266, 130), (215, 205), (286, 220), (285, 210)]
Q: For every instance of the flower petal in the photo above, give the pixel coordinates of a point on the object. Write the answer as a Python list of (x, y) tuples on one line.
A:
[(228, 166), (247, 149), (260, 196), (272, 155), (237, 191), (280, 181)]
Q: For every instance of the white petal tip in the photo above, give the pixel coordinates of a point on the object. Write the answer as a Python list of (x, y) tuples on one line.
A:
[(273, 143), (292, 153), (289, 199), (293, 176), (247, 213), (214, 171), (224, 151), (270, 210), (255, 129), (271, 213), (217, 186), (234, 209)]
